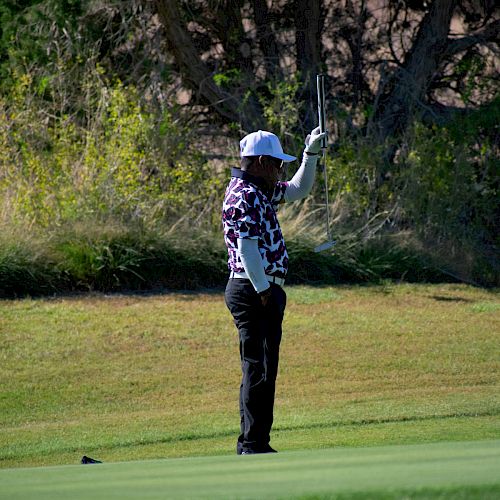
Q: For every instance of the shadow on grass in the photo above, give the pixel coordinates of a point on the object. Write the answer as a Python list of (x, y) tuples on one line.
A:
[(442, 298)]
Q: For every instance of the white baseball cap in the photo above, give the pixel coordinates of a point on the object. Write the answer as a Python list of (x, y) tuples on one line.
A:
[(263, 143)]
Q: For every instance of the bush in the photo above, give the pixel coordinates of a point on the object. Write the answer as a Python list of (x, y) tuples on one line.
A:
[(449, 189), (449, 177), (116, 158), (78, 150)]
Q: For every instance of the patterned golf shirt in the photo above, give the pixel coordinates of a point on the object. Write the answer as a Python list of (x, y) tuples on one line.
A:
[(248, 212)]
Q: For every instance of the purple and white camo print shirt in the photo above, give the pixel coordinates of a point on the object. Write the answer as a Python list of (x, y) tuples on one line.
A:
[(248, 213)]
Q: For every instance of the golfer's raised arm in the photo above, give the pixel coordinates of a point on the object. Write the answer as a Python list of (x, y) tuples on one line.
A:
[(301, 183)]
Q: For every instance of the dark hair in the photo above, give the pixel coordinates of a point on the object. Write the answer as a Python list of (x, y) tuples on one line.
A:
[(247, 161)]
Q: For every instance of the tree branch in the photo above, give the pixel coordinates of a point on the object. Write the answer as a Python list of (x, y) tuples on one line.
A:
[(392, 22), (193, 69), (409, 82), (488, 34)]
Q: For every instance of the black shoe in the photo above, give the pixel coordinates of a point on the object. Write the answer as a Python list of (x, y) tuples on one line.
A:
[(266, 449), (239, 448)]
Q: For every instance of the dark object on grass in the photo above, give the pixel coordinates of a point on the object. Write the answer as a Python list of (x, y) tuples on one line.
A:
[(265, 449), (88, 460)]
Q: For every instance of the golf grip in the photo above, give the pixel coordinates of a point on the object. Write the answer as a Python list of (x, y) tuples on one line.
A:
[(320, 84)]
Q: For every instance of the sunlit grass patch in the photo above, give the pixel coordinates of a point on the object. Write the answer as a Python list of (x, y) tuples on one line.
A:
[(299, 294), (486, 307)]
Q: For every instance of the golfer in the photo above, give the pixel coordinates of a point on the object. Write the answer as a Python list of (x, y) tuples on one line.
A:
[(258, 263)]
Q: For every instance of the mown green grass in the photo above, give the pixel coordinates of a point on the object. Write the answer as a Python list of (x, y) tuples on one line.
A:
[(137, 377), (438, 470)]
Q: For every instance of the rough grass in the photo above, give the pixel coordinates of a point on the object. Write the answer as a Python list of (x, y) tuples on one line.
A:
[(131, 377)]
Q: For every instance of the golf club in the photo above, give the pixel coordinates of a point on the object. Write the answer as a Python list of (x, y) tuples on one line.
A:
[(320, 83)]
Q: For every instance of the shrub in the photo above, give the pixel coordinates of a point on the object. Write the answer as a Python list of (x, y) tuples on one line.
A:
[(114, 158)]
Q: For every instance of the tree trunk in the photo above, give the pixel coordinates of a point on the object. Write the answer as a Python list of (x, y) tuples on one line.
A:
[(353, 35), (406, 89), (231, 33), (197, 75), (238, 55), (308, 30), (266, 39)]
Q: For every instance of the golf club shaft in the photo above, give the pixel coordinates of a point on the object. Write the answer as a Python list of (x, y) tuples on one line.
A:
[(320, 84), (326, 197)]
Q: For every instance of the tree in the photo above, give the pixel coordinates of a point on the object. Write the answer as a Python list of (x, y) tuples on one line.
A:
[(250, 43), (387, 61), (407, 88), (195, 72), (308, 21), (394, 69)]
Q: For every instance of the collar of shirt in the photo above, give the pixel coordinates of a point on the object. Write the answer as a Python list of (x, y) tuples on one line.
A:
[(257, 181)]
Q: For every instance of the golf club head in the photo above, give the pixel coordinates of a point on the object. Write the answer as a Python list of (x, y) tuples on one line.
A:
[(324, 246)]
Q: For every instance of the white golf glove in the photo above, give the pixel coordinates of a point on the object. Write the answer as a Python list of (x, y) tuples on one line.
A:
[(313, 141)]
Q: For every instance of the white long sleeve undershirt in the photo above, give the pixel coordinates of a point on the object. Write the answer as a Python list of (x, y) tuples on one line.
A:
[(252, 263), (301, 183), (298, 187)]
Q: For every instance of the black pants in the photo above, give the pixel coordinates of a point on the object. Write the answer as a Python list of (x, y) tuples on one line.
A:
[(259, 331)]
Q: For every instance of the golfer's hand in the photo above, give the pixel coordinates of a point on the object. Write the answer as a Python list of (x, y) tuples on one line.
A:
[(313, 141), (266, 296)]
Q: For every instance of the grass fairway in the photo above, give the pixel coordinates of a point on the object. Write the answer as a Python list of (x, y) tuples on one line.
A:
[(125, 378), (441, 470)]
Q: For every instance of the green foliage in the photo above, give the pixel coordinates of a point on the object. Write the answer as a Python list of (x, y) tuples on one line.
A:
[(386, 259), (373, 261), (469, 70), (79, 148), (443, 187), (102, 260), (282, 108), (112, 256), (118, 258), (27, 30), (114, 158), (227, 78), (450, 191), (352, 169)]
